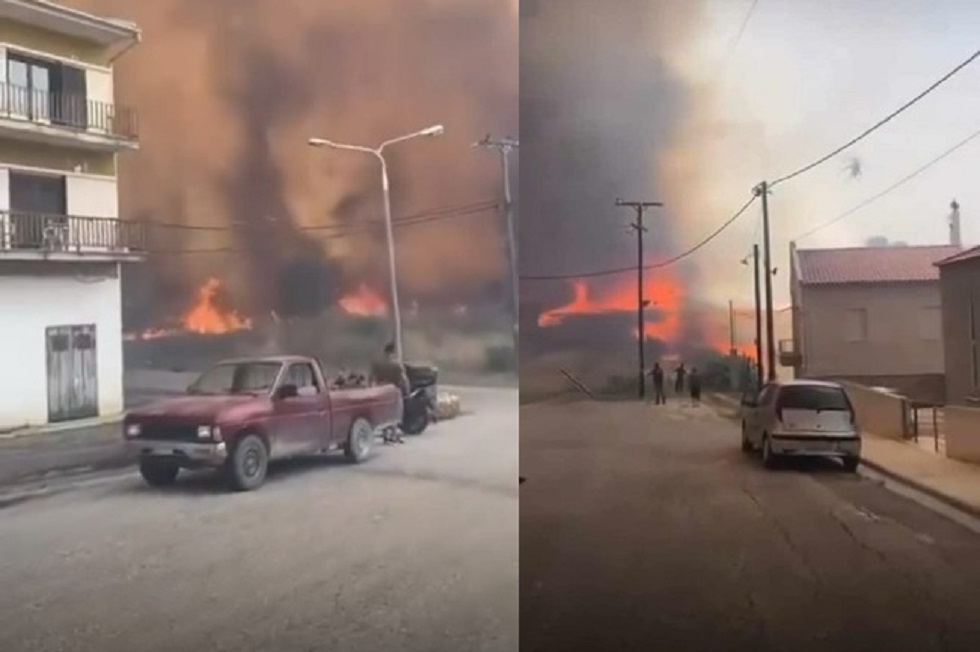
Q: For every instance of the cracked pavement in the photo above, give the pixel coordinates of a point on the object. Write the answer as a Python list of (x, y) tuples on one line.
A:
[(414, 550), (646, 527)]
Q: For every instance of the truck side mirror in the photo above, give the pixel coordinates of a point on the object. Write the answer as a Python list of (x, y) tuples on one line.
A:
[(287, 391)]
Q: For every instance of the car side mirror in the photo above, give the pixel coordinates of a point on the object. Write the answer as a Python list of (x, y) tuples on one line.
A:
[(287, 391)]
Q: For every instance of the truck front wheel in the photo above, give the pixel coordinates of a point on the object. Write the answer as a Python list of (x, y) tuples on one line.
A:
[(159, 473), (248, 463)]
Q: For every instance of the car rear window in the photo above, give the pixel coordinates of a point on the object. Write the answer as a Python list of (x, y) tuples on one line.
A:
[(812, 397)]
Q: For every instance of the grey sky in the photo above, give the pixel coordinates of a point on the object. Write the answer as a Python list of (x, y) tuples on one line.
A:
[(808, 75)]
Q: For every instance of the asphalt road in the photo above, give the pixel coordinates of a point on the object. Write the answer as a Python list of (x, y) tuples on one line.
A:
[(415, 550), (646, 528)]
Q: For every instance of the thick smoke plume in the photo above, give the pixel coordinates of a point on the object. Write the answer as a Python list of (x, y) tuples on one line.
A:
[(228, 92), (601, 109)]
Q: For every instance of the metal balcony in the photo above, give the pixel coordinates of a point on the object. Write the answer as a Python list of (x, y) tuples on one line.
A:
[(57, 118), (33, 236)]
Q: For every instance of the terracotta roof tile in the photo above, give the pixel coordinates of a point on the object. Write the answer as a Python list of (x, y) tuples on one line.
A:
[(960, 257), (871, 264)]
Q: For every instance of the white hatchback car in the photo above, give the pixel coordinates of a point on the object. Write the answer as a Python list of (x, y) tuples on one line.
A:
[(801, 418)]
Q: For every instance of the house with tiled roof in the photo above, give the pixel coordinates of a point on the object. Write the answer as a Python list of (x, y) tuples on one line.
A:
[(959, 284), (870, 315)]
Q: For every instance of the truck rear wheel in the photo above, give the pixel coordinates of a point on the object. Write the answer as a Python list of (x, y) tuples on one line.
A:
[(360, 441), (248, 464), (159, 473)]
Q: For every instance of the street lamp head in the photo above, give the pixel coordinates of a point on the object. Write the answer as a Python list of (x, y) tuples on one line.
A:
[(317, 142), (434, 130)]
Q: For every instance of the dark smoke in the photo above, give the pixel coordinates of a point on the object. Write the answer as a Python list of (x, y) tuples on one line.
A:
[(598, 105), (228, 92)]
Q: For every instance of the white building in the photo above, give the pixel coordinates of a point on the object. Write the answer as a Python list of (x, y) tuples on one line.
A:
[(62, 241)]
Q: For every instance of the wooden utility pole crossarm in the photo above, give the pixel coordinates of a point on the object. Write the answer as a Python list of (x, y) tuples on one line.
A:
[(641, 303)]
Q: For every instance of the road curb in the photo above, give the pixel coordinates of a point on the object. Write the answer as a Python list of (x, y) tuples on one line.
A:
[(21, 493), (947, 500)]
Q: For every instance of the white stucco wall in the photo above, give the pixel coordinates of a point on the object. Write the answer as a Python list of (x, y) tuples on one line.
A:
[(31, 302)]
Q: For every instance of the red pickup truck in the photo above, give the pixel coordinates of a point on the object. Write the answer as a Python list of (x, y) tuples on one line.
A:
[(240, 414)]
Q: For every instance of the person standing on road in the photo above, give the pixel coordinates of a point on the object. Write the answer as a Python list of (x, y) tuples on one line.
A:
[(388, 371), (657, 376), (679, 374), (694, 386)]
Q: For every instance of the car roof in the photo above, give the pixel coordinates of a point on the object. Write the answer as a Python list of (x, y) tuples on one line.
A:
[(274, 359), (805, 382)]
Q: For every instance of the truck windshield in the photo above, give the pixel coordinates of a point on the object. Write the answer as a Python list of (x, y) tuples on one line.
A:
[(237, 378), (812, 397)]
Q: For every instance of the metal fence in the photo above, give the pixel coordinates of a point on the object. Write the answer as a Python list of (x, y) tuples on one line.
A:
[(21, 231), (68, 110)]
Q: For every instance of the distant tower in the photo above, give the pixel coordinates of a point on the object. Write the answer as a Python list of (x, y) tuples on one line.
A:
[(955, 237)]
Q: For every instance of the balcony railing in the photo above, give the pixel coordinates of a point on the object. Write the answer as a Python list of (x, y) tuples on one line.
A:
[(38, 232), (68, 111)]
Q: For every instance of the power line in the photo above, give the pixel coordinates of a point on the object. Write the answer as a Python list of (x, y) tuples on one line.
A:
[(491, 203), (741, 30), (880, 123), (400, 223), (661, 264), (870, 200)]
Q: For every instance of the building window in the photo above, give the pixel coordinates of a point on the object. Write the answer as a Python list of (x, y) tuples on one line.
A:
[(29, 87), (930, 323), (46, 91), (856, 325)]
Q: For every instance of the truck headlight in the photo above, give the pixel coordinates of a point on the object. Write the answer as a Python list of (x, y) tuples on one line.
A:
[(209, 432), (133, 430)]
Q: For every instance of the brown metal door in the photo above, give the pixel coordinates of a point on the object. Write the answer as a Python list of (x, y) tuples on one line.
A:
[(73, 391)]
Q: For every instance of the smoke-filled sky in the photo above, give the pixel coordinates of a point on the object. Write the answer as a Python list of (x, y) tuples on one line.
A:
[(657, 100), (229, 91)]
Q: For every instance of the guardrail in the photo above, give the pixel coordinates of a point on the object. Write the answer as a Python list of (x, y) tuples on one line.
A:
[(21, 231), (68, 110)]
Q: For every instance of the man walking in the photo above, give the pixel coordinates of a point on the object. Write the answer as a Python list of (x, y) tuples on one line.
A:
[(679, 375), (694, 386), (657, 375)]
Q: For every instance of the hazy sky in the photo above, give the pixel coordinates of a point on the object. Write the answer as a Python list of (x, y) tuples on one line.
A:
[(805, 77)]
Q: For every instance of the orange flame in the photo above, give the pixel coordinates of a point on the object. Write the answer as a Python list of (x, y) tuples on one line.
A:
[(206, 317), (364, 302), (663, 293)]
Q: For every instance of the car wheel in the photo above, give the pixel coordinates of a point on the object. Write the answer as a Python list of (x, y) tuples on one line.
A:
[(747, 446), (769, 459), (360, 441), (851, 463), (248, 464), (159, 473), (416, 421)]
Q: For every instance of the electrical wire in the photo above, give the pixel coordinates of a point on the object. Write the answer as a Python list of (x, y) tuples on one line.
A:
[(880, 123), (421, 218), (324, 227), (659, 265), (870, 200)]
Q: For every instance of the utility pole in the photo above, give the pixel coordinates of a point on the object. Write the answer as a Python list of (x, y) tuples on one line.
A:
[(758, 315), (733, 364), (505, 146), (641, 303), (763, 190)]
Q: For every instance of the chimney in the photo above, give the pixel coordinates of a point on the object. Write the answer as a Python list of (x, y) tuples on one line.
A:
[(955, 237)]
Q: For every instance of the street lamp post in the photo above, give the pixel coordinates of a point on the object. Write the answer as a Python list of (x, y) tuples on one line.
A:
[(378, 153)]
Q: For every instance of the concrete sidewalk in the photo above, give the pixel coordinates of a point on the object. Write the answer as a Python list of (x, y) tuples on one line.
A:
[(954, 483), (44, 454)]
